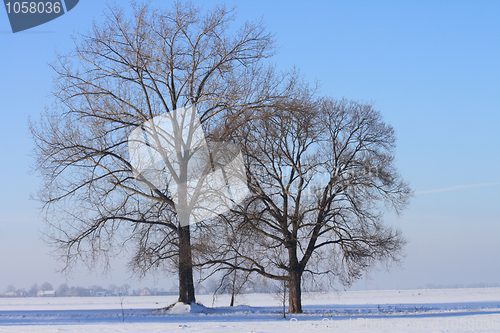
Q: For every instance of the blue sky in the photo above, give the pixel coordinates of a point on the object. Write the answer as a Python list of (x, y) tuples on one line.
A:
[(431, 68)]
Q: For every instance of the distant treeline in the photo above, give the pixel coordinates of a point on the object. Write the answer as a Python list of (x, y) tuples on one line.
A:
[(46, 290), (459, 286)]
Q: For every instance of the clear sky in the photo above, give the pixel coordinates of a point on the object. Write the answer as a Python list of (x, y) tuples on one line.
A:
[(431, 67)]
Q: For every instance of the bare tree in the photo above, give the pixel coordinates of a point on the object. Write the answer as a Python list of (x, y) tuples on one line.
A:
[(33, 290), (281, 295), (121, 75), (124, 289), (62, 290), (321, 174), (46, 286), (232, 281)]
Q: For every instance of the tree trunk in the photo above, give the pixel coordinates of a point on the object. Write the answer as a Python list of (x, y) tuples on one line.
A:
[(233, 287), (186, 286), (294, 279), (294, 292)]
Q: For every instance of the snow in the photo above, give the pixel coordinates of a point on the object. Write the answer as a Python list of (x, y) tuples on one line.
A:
[(184, 309), (448, 310)]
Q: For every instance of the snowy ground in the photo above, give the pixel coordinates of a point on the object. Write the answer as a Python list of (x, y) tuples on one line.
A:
[(448, 310)]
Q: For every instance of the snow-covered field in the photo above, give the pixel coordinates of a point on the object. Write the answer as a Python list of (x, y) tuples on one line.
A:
[(445, 310)]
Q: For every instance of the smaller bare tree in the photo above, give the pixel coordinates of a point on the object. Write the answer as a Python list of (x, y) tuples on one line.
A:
[(281, 295), (321, 174)]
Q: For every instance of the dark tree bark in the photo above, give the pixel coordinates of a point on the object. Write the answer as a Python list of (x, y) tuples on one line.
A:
[(295, 292), (294, 276), (186, 285)]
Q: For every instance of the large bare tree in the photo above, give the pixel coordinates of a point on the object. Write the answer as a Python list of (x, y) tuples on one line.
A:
[(321, 173), (125, 72)]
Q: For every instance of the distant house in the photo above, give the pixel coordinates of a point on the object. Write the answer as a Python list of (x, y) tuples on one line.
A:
[(145, 292), (103, 293), (201, 290), (46, 293), (11, 294)]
